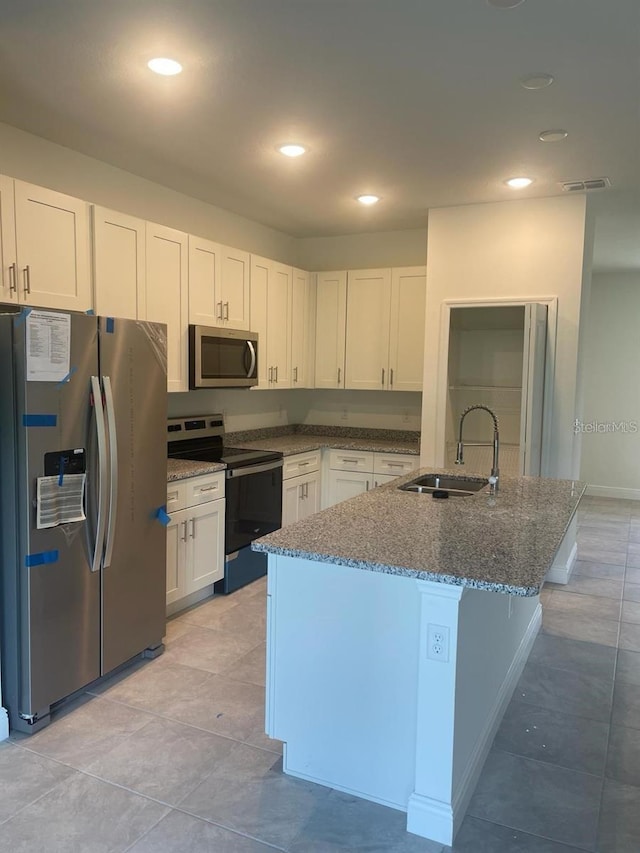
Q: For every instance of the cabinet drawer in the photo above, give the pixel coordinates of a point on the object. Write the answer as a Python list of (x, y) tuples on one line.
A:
[(350, 460), (176, 495), (301, 463), (394, 464), (200, 490)]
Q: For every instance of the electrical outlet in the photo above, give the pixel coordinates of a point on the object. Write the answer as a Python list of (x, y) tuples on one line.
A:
[(344, 414), (405, 417), (438, 643)]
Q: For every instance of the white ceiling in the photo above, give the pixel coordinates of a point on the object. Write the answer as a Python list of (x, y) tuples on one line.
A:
[(418, 101)]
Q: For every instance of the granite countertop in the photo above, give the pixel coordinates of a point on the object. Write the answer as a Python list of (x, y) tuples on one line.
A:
[(504, 543), (301, 443), (180, 469)]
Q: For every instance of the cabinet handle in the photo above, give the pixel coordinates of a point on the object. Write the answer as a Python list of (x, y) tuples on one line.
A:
[(276, 369), (27, 279), (391, 377), (184, 531), (301, 487), (13, 278), (303, 464), (382, 381), (193, 528), (339, 374), (226, 310), (219, 313), (352, 461), (367, 485), (295, 374), (271, 374), (306, 490), (211, 488), (375, 484)]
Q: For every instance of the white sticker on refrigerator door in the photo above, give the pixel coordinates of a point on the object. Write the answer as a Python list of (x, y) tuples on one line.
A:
[(60, 500), (48, 346)]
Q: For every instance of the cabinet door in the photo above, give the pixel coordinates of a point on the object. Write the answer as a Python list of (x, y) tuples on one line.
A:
[(309, 502), (52, 241), (260, 278), (119, 264), (300, 327), (344, 485), (167, 296), (381, 479), (291, 495), (234, 292), (367, 352), (8, 265), (279, 324), (206, 307), (205, 545), (331, 313), (176, 556), (406, 338)]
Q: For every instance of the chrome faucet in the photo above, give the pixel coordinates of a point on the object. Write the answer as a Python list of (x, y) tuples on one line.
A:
[(495, 471)]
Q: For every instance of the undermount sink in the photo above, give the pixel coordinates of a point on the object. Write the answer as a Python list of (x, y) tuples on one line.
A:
[(452, 485)]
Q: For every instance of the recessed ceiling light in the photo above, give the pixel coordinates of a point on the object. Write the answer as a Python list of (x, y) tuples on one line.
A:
[(505, 4), (162, 65), (536, 81), (292, 150), (518, 183), (367, 199), (553, 135)]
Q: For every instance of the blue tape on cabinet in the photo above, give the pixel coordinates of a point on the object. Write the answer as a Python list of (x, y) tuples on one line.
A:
[(163, 516), (110, 325), (39, 420), (41, 559)]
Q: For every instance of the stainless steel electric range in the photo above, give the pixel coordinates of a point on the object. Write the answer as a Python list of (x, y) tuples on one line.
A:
[(253, 492)]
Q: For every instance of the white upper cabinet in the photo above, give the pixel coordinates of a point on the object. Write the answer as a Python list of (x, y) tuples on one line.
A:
[(119, 264), (271, 319), (406, 331), (234, 287), (167, 296), (331, 313), (368, 309), (218, 285), (45, 247), (302, 329), (206, 307)]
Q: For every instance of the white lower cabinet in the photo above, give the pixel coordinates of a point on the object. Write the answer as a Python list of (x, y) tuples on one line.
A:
[(300, 486), (352, 473), (195, 536)]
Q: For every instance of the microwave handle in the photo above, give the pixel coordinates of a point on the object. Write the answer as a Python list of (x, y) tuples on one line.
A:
[(252, 366)]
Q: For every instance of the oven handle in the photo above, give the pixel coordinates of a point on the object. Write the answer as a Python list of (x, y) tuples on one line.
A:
[(233, 473)]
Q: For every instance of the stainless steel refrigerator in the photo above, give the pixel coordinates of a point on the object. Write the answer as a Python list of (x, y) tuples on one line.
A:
[(82, 433)]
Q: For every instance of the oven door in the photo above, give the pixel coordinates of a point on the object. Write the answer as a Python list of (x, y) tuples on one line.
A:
[(253, 504), (222, 358)]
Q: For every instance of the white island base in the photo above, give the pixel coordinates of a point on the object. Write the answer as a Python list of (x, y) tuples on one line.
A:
[(388, 687)]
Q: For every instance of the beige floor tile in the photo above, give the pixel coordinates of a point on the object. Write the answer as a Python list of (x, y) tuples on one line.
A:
[(585, 628), (575, 604)]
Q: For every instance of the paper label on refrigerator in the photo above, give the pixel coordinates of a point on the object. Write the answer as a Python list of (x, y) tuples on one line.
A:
[(60, 500), (48, 346)]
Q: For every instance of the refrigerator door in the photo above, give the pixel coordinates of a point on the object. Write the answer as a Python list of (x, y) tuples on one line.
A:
[(51, 599), (133, 369)]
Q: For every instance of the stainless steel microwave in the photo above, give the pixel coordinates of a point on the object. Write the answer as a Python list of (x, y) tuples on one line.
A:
[(222, 358)]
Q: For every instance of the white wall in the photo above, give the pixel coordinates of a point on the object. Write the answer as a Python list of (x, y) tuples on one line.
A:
[(33, 159), (246, 409), (610, 461), (523, 249), (364, 251)]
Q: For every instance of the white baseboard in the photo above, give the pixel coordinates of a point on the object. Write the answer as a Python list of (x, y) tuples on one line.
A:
[(561, 572), (613, 492), (439, 821), (4, 723)]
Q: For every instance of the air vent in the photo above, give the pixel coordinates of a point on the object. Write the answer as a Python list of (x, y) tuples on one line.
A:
[(581, 186)]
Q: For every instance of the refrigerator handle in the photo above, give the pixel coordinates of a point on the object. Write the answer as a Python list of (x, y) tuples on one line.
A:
[(113, 472), (102, 472)]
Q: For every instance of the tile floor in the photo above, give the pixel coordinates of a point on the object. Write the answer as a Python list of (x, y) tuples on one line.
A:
[(170, 756)]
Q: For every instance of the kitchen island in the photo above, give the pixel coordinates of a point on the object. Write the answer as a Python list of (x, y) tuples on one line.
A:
[(398, 626)]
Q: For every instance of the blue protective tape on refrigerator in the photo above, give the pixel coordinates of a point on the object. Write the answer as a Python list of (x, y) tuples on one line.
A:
[(163, 516), (67, 378), (90, 312), (22, 316), (41, 559), (39, 420), (110, 325)]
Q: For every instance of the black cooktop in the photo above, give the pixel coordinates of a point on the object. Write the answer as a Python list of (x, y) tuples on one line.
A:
[(201, 439)]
